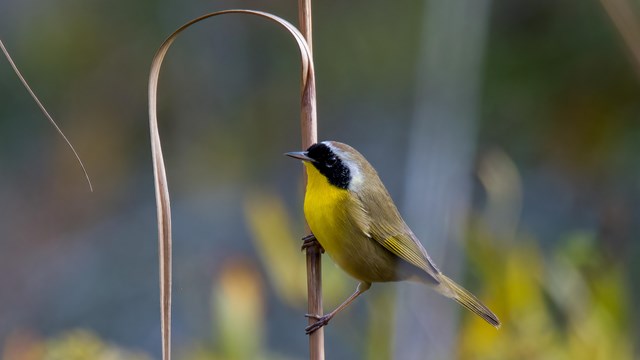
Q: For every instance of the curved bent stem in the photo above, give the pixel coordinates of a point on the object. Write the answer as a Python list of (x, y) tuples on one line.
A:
[(45, 112), (162, 192)]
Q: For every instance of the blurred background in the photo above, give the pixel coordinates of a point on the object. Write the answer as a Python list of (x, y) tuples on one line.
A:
[(507, 133)]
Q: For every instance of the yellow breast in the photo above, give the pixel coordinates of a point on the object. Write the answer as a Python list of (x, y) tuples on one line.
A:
[(323, 204)]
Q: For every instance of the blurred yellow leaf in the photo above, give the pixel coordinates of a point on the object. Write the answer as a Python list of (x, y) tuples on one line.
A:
[(238, 303)]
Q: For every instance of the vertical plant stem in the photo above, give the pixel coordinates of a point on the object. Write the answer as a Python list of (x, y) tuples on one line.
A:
[(304, 17), (310, 136)]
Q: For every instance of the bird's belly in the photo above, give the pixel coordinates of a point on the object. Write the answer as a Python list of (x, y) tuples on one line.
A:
[(350, 248)]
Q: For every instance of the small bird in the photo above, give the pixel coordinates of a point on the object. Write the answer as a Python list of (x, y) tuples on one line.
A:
[(354, 219)]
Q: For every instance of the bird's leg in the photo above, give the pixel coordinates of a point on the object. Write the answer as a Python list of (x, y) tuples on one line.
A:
[(309, 241), (324, 320)]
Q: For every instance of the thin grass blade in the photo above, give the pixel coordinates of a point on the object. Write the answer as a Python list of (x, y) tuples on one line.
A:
[(44, 111), (160, 176)]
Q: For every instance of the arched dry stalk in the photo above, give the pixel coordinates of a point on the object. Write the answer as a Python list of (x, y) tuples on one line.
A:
[(309, 136), (44, 111)]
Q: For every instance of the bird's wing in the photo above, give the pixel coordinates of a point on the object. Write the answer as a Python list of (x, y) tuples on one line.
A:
[(406, 246), (391, 232)]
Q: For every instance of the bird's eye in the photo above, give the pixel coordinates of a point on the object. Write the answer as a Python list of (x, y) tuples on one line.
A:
[(331, 161)]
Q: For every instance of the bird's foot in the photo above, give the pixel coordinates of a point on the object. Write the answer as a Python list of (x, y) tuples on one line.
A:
[(321, 321), (310, 241)]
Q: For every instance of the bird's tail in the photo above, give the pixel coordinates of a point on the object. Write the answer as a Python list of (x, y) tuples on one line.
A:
[(456, 292)]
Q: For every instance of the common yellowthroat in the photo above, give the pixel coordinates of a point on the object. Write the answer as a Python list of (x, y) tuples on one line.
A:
[(353, 217)]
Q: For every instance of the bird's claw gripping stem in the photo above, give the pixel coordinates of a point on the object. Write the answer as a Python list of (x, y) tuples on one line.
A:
[(321, 321), (309, 241)]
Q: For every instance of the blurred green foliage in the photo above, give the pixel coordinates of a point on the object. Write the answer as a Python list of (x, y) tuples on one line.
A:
[(71, 345), (572, 304)]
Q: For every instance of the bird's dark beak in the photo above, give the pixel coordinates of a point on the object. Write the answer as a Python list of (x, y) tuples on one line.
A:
[(302, 155)]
